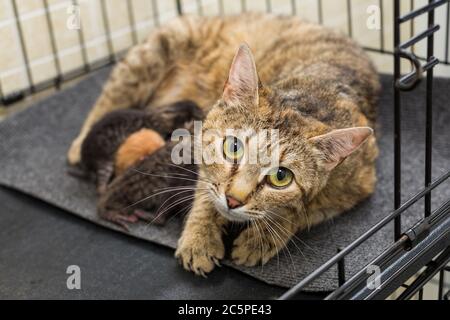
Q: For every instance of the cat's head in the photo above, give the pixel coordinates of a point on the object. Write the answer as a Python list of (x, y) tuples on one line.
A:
[(302, 156)]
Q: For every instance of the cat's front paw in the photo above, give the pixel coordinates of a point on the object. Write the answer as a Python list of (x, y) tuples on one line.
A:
[(251, 248), (200, 254)]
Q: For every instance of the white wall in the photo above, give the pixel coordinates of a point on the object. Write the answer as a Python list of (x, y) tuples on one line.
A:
[(37, 38)]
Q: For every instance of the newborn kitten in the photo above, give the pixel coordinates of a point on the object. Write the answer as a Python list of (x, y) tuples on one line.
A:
[(152, 190), (107, 135)]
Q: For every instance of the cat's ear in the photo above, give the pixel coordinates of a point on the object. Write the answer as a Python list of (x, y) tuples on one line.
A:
[(339, 144), (242, 83)]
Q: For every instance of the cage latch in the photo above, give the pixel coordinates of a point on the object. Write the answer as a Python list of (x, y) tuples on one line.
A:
[(417, 233)]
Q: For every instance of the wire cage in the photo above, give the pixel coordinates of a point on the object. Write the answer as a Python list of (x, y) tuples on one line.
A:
[(422, 251)]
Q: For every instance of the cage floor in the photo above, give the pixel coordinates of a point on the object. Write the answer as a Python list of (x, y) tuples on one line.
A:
[(34, 144)]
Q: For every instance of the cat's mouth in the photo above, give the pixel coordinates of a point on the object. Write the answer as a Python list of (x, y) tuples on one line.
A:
[(236, 215)]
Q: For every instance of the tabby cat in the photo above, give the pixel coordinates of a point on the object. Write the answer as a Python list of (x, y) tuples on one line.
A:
[(317, 87)]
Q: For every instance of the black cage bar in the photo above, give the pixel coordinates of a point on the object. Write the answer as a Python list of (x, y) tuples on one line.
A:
[(425, 245)]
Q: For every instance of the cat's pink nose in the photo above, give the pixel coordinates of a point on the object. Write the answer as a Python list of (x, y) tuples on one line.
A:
[(233, 203)]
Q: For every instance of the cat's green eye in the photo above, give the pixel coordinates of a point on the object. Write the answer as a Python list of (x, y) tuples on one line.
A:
[(233, 149), (280, 177)]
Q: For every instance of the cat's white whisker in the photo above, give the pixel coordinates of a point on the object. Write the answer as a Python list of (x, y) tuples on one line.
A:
[(275, 243), (156, 194), (179, 188), (189, 206), (188, 170), (284, 245), (184, 210), (146, 198), (290, 235), (170, 177), (261, 245), (179, 201), (168, 199)]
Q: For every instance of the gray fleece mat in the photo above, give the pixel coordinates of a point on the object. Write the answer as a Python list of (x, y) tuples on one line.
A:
[(33, 159)]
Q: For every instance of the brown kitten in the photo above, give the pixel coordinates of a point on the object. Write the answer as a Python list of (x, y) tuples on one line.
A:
[(152, 190), (317, 87), (98, 152)]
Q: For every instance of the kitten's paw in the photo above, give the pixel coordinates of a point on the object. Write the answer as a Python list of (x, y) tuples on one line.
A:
[(74, 153), (120, 219), (200, 254), (251, 248)]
